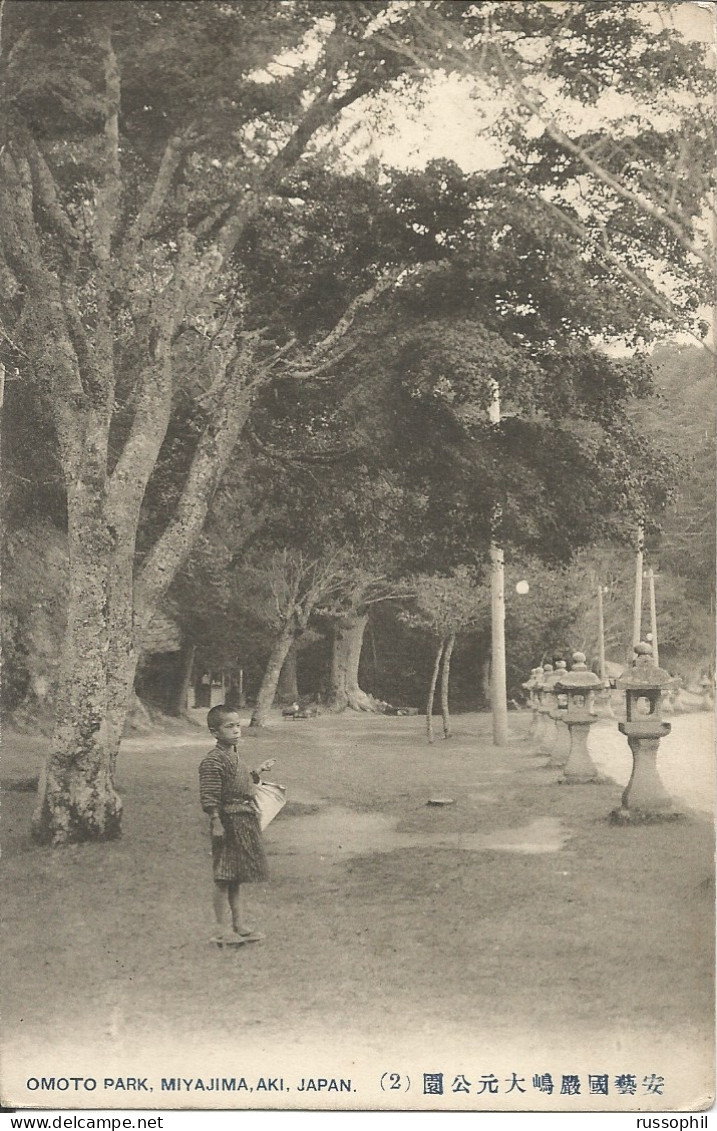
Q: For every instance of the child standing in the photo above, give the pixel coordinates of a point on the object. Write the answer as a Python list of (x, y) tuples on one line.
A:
[(226, 793)]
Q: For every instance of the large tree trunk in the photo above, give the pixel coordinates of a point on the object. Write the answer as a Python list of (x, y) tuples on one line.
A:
[(267, 691), (288, 690), (344, 690), (77, 800)]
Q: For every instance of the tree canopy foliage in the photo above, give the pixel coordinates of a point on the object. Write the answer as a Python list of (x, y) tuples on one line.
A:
[(606, 124)]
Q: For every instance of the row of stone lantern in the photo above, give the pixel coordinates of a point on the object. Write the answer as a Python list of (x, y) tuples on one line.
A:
[(558, 696), (545, 709), (543, 704)]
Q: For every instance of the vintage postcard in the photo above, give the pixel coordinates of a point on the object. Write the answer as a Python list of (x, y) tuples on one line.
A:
[(358, 586)]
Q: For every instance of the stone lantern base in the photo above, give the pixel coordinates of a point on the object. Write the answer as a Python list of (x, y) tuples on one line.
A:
[(644, 817), (585, 781), (645, 799), (578, 767), (559, 746), (543, 736)]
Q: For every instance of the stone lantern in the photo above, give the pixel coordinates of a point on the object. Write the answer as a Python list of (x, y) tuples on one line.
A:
[(544, 705), (531, 686), (553, 711), (707, 692), (672, 702), (645, 797), (579, 687)]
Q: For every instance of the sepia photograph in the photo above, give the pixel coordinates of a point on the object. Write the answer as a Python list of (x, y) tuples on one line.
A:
[(357, 376)]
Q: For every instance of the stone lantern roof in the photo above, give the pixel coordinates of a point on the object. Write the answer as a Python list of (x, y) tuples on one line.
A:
[(551, 677), (579, 678), (643, 675)]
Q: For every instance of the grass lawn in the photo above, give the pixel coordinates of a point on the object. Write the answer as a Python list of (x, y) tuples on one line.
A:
[(514, 932)]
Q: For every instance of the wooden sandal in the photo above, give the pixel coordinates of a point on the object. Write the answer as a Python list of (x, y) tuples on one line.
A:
[(227, 940)]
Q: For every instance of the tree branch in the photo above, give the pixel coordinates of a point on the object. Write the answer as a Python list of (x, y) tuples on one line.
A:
[(303, 370), (76, 327), (297, 456), (325, 108), (110, 188), (604, 249), (364, 299), (604, 175), (47, 193), (50, 348), (150, 210), (208, 464), (437, 33)]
